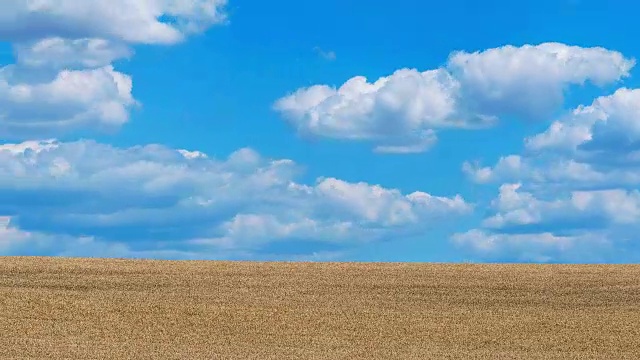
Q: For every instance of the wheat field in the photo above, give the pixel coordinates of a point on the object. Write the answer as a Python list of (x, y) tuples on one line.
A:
[(55, 308)]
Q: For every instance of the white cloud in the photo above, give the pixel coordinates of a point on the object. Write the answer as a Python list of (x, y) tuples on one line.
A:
[(9, 236), (610, 123), (60, 53), (420, 142), (577, 226), (592, 146), (63, 78), (72, 99), (557, 171), (398, 112), (402, 107), (132, 21), (360, 101), (388, 207), (529, 81), (575, 183), (578, 209), (539, 248), (327, 55), (162, 198), (17, 242)]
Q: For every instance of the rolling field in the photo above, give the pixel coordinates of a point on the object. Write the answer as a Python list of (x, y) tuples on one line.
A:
[(126, 309)]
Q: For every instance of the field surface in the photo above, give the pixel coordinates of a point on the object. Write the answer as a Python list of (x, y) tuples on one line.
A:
[(126, 309)]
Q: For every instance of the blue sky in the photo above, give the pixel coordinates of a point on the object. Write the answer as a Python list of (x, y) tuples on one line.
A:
[(499, 131)]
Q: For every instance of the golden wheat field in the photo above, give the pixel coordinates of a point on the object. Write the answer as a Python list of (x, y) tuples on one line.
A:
[(54, 308)]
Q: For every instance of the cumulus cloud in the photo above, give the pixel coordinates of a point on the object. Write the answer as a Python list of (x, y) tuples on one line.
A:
[(157, 198), (574, 185), (578, 209), (59, 53), (529, 81), (72, 99), (132, 21), (537, 248), (556, 171), (593, 146), (357, 99), (398, 112), (63, 78), (609, 124), (580, 226), (17, 242), (14, 241)]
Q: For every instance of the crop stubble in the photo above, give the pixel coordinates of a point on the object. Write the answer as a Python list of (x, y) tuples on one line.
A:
[(57, 308)]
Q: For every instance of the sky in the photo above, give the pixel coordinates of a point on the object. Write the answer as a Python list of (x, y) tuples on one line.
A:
[(420, 131)]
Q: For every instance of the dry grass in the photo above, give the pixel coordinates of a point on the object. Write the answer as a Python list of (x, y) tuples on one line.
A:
[(119, 309)]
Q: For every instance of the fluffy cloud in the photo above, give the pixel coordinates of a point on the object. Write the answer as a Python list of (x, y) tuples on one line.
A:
[(563, 172), (397, 111), (579, 209), (73, 99), (608, 125), (537, 248), (10, 237), (400, 112), (155, 198), (593, 146), (574, 186), (59, 53), (592, 226), (16, 242), (63, 78), (132, 21), (529, 81)]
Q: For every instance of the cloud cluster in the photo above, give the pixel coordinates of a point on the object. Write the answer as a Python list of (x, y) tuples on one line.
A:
[(575, 185), (63, 78), (156, 198), (402, 111), (594, 146)]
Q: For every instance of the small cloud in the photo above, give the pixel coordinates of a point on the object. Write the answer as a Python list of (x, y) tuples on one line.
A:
[(327, 55)]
